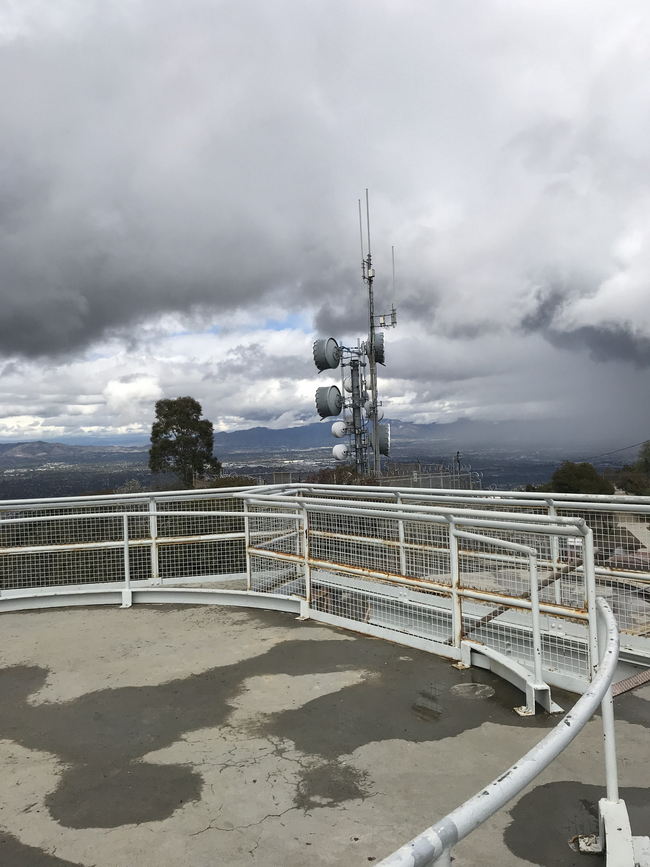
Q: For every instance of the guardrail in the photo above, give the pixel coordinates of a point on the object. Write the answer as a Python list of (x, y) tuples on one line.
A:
[(620, 526), (434, 846), (484, 581), (462, 572)]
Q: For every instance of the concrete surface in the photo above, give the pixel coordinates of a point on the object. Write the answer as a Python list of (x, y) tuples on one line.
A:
[(209, 736)]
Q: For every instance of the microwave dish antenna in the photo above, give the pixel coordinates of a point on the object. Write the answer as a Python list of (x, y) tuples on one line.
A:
[(329, 401), (327, 354)]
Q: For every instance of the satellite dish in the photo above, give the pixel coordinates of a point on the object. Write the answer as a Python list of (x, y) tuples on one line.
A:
[(329, 401), (383, 436), (327, 354), (341, 452), (339, 429), (380, 350)]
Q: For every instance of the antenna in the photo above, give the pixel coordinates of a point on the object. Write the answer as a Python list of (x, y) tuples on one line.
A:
[(358, 398), (363, 253), (368, 221), (392, 255)]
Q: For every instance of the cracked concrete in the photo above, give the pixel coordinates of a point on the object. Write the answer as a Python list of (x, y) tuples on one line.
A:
[(207, 736)]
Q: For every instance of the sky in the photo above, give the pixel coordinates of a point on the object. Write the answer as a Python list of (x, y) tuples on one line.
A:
[(178, 209)]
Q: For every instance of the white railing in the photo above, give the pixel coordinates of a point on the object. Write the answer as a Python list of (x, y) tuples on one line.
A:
[(434, 846), (506, 581)]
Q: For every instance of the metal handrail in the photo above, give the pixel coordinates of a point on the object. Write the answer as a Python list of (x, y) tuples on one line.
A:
[(434, 845)]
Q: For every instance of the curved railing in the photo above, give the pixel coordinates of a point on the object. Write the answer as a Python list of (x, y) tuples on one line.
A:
[(434, 845), (512, 580)]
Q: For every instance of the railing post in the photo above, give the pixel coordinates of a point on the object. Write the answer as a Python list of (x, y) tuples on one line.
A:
[(588, 568), (555, 553), (607, 711), (534, 609), (305, 543), (400, 531), (127, 596), (456, 610), (153, 532), (247, 545)]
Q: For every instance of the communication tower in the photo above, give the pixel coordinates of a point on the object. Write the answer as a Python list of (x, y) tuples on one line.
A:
[(357, 399)]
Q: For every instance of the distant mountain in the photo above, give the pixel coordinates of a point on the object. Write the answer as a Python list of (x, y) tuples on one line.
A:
[(41, 450), (408, 439)]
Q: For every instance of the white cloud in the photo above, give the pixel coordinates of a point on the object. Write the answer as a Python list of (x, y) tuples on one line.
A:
[(180, 206)]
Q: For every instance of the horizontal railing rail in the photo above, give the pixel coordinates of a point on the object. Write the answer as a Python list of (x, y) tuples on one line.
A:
[(511, 579)]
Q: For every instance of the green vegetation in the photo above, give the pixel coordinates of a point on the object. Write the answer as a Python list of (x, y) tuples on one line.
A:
[(635, 478), (584, 478), (572, 478), (182, 441)]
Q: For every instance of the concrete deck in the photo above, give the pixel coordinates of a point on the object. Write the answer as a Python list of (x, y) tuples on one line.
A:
[(208, 736)]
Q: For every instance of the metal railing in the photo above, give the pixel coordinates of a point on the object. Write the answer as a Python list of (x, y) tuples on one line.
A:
[(431, 566), (434, 846), (514, 580), (621, 533)]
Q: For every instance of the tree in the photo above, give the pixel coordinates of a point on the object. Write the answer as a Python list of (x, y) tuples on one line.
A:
[(571, 478), (182, 441), (643, 461)]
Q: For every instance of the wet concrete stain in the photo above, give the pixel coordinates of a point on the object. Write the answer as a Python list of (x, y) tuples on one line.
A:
[(569, 809), (633, 709), (13, 853), (328, 784), (102, 735)]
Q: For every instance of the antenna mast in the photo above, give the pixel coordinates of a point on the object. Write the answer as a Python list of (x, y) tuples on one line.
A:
[(369, 276), (361, 409)]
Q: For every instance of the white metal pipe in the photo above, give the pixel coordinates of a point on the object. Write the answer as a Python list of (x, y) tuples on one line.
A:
[(496, 542), (427, 847), (153, 532), (609, 735), (127, 565), (456, 609), (534, 610), (400, 535), (462, 493), (564, 526), (306, 561), (590, 592), (412, 509)]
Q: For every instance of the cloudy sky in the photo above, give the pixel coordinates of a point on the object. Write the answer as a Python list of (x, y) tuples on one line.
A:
[(178, 208)]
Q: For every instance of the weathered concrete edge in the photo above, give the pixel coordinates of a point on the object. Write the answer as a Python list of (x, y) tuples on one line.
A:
[(63, 598)]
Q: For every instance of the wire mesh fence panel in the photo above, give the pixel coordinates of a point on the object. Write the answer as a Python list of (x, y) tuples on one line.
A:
[(488, 567), (630, 602), (425, 565), (352, 540), (199, 524), (425, 615), (270, 575), (621, 538), (426, 551), (72, 530), (58, 568), (374, 555), (274, 531), (205, 558), (509, 630)]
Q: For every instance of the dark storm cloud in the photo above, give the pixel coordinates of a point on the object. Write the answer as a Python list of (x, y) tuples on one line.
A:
[(254, 362), (202, 159), (608, 342), (156, 169)]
